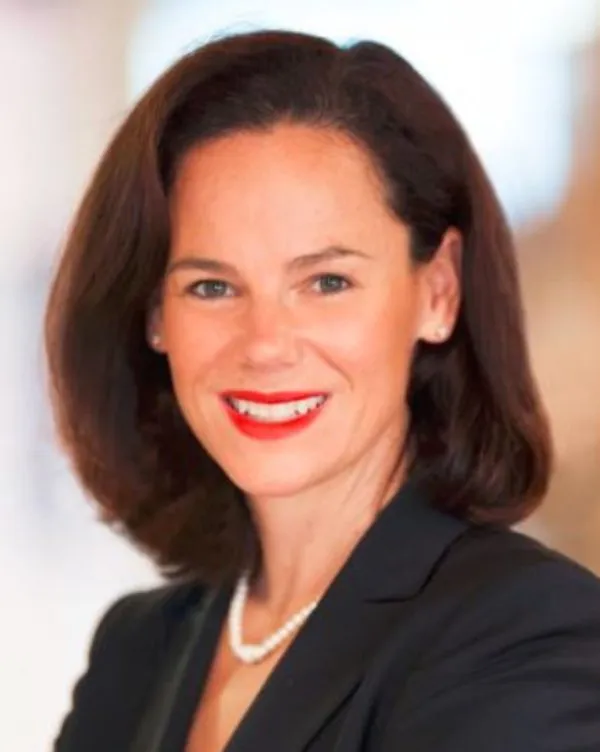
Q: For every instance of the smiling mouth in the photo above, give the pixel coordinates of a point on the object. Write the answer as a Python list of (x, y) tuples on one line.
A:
[(271, 410)]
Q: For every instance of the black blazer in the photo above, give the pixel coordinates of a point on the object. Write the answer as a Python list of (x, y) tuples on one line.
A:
[(436, 636)]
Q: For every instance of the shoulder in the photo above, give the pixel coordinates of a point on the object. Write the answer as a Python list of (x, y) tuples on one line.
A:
[(514, 658), (510, 593), (153, 613), (127, 652), (495, 561)]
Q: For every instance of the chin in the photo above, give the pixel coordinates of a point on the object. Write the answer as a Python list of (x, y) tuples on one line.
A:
[(276, 482)]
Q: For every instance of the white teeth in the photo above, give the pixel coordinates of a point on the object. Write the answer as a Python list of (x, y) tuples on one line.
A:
[(280, 411)]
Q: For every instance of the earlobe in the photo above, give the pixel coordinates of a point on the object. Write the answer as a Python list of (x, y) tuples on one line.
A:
[(436, 334), (153, 331), (441, 333), (155, 341)]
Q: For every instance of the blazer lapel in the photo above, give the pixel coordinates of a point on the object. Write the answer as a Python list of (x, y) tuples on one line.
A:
[(363, 606), (168, 698)]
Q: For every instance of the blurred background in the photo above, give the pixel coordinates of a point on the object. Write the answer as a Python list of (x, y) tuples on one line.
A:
[(524, 78)]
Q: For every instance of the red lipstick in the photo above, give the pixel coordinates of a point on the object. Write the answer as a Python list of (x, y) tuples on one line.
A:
[(268, 430)]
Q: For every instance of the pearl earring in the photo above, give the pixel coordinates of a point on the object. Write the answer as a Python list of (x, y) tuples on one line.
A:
[(155, 340), (441, 333)]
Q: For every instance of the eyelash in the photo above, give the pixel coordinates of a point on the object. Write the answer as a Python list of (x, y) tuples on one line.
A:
[(194, 288)]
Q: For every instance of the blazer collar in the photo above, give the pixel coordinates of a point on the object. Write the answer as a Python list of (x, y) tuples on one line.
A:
[(397, 554)]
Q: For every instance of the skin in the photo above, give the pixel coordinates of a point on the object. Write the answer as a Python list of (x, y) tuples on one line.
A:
[(271, 312)]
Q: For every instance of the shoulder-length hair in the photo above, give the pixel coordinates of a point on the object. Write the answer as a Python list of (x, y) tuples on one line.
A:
[(477, 434)]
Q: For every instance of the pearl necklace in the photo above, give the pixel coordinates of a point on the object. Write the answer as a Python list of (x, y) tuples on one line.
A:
[(256, 652)]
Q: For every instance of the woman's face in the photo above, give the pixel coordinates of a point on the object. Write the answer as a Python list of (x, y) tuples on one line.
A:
[(290, 308)]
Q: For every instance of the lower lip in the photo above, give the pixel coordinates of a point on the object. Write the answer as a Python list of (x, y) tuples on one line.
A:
[(268, 431)]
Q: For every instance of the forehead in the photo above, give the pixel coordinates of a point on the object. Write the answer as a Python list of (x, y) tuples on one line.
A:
[(289, 164)]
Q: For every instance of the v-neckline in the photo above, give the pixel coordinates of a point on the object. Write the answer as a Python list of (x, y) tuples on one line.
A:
[(367, 597), (193, 679)]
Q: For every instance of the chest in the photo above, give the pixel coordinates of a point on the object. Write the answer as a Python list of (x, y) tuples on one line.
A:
[(332, 688), (230, 690)]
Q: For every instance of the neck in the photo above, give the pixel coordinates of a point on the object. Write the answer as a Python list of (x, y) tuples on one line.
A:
[(305, 540)]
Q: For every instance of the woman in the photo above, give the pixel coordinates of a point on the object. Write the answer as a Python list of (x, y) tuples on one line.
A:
[(287, 358)]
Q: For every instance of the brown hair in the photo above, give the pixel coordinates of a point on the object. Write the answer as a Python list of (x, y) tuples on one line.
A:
[(478, 435)]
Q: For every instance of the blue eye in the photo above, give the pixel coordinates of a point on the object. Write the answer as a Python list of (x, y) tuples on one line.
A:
[(330, 284), (211, 288)]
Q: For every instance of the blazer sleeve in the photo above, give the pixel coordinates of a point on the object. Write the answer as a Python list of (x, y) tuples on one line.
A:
[(518, 670)]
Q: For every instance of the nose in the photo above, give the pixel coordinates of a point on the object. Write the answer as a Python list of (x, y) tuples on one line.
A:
[(269, 338)]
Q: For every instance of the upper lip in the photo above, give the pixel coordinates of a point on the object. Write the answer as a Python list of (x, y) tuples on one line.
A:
[(269, 398)]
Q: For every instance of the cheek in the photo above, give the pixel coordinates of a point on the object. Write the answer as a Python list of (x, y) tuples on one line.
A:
[(193, 344), (372, 337), (373, 354)]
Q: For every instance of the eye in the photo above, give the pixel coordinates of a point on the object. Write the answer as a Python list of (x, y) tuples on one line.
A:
[(211, 288), (329, 284)]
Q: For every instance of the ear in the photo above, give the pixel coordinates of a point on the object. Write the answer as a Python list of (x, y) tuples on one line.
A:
[(154, 329), (441, 289)]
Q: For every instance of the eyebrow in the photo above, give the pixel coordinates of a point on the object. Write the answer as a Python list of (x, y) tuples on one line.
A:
[(202, 263)]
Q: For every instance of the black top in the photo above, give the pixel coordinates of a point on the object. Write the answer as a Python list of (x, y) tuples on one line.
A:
[(436, 636)]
